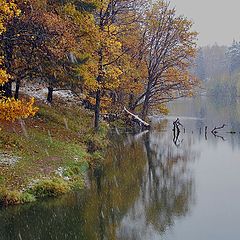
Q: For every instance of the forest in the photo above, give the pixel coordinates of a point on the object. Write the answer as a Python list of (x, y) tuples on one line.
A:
[(218, 68), (111, 54), (116, 61)]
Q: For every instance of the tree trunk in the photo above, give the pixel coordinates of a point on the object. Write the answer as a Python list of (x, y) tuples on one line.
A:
[(97, 110), (98, 93), (8, 58), (131, 102), (145, 106), (100, 76), (146, 100), (50, 94), (7, 89), (16, 95)]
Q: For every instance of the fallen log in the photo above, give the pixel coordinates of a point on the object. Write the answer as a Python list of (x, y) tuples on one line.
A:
[(135, 118)]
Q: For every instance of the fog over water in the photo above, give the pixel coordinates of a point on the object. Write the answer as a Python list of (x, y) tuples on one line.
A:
[(216, 21)]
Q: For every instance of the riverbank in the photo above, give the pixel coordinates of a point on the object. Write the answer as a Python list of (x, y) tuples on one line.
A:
[(48, 155)]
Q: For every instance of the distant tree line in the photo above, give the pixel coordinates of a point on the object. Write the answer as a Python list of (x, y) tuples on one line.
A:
[(219, 69)]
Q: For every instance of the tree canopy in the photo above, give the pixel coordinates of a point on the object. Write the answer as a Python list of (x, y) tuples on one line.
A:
[(112, 53)]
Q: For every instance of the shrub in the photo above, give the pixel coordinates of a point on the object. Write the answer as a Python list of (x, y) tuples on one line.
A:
[(9, 197), (77, 183), (50, 188), (96, 159), (27, 197)]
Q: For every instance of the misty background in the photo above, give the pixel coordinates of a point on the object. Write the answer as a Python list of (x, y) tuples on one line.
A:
[(218, 60), (216, 21)]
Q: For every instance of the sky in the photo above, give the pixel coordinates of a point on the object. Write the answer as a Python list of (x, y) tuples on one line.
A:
[(217, 21)]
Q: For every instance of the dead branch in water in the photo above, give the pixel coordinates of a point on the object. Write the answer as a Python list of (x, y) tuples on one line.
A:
[(214, 131)]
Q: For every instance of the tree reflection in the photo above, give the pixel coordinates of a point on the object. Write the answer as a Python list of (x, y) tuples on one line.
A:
[(143, 187), (166, 192)]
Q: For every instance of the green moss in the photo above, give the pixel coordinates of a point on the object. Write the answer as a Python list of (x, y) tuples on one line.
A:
[(75, 168)]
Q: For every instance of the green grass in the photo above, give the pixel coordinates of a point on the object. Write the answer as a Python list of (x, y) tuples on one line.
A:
[(58, 136)]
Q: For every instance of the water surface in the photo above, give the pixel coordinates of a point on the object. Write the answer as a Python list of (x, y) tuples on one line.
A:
[(151, 187)]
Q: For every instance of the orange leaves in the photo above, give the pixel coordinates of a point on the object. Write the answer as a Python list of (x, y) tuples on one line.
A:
[(60, 37), (11, 109)]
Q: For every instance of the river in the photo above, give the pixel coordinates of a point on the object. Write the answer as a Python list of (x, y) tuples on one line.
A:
[(151, 187)]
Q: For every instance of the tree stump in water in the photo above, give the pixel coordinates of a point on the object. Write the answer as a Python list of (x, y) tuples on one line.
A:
[(176, 130)]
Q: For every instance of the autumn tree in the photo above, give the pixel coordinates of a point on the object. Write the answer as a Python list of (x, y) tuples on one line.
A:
[(170, 47), (53, 37), (9, 12), (37, 43), (134, 70), (113, 17), (10, 109), (113, 53)]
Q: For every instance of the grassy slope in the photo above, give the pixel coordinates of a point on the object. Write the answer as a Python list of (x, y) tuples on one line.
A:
[(58, 136)]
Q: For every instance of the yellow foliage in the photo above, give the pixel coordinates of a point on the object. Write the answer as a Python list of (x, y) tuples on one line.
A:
[(3, 76), (88, 71), (162, 108), (112, 75), (8, 10), (105, 103), (11, 109)]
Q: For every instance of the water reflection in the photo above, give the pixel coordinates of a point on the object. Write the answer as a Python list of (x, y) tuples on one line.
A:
[(145, 185), (167, 190), (149, 188)]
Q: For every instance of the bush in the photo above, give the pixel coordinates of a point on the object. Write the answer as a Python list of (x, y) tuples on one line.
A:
[(77, 183), (27, 198), (95, 142), (8, 197), (50, 188), (97, 158)]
